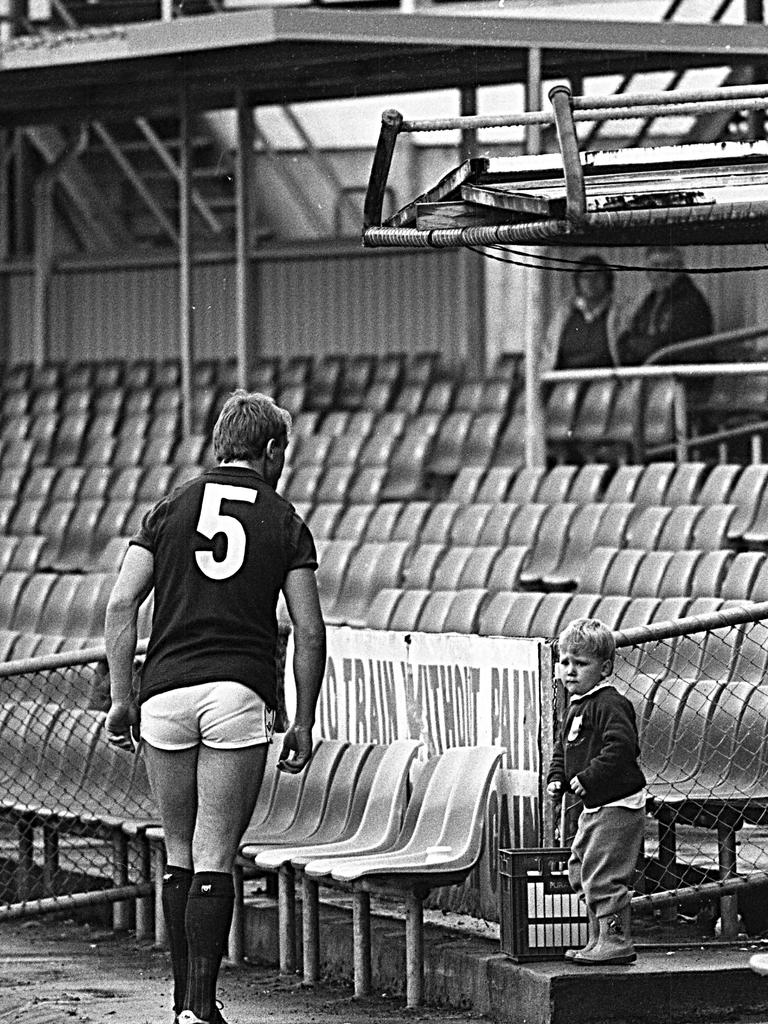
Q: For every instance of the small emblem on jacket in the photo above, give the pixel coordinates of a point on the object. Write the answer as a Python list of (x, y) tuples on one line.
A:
[(575, 729), (205, 888)]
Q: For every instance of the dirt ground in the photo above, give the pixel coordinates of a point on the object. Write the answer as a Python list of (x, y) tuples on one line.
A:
[(57, 971)]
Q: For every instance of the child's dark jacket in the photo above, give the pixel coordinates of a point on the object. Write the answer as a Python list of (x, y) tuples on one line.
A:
[(598, 742)]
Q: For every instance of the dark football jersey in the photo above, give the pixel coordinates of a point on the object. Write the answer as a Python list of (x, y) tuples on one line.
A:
[(222, 544)]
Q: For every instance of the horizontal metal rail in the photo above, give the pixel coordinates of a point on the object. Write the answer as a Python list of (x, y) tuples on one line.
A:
[(86, 656), (707, 890), (691, 624), (73, 901)]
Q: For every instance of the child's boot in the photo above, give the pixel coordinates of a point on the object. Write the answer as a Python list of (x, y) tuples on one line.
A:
[(594, 932), (614, 943)]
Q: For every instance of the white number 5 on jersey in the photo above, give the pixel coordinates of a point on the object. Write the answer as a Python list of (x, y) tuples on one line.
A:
[(212, 521)]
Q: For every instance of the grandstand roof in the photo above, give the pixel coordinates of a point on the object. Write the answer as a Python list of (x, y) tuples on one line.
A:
[(284, 55)]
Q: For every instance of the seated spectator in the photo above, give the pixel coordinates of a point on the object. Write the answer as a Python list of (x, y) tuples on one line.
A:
[(674, 310), (580, 335)]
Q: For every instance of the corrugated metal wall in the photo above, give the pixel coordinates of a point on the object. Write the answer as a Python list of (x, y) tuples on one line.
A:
[(350, 301)]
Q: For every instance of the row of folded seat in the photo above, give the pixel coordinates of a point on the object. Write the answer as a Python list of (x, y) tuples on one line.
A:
[(522, 613)]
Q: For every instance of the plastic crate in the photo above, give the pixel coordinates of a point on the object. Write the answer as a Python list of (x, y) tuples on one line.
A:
[(540, 914)]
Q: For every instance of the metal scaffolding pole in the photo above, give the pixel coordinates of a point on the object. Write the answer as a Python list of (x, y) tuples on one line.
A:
[(243, 290), (185, 264)]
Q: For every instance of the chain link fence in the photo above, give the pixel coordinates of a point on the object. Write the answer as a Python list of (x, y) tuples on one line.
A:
[(700, 692), (72, 807)]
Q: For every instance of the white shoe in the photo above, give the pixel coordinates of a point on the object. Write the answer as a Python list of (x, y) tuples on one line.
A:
[(759, 963), (187, 1017)]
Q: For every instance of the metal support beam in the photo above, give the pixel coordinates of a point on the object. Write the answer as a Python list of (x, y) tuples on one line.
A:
[(535, 426), (166, 158), (136, 182), (185, 265), (45, 225), (244, 224), (476, 331), (5, 194)]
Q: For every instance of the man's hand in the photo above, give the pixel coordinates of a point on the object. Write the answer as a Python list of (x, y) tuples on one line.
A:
[(577, 788), (120, 721), (555, 789), (297, 749)]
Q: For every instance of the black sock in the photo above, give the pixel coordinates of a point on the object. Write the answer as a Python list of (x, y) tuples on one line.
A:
[(210, 904), (176, 883)]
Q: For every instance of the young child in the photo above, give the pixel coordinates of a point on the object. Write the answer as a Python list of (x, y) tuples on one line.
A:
[(596, 758)]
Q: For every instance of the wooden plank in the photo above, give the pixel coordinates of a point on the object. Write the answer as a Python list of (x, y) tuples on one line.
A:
[(447, 188), (457, 215)]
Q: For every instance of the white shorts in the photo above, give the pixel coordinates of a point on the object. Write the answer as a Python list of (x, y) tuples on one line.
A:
[(226, 715)]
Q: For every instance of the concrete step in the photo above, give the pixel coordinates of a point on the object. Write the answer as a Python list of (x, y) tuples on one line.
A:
[(464, 970)]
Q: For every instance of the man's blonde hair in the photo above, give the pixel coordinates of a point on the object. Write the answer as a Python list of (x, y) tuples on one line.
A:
[(245, 424), (588, 636)]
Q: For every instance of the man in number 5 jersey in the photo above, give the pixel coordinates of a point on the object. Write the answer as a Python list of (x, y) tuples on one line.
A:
[(217, 552)]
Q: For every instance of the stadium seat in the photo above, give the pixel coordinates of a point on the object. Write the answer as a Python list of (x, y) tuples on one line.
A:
[(495, 528), (154, 483), (439, 397), (378, 615), (38, 483), (8, 546), (59, 603), (717, 487), (378, 397), (650, 573), (560, 415), (435, 611), (747, 495), (494, 612), (549, 543), (67, 441), (524, 488), (334, 483), (686, 483), (373, 566), (69, 481), (302, 485), (548, 614), (477, 568), (451, 565), (410, 398), (405, 615), (405, 478), (496, 483), (505, 571), (53, 525), (623, 484), (588, 483), (654, 483), (524, 527), (26, 515), (409, 522), (679, 528), (344, 449), (611, 530), (679, 573), (324, 519), (29, 606), (480, 442), (366, 485), (334, 423), (555, 484), (466, 483), (12, 480), (76, 549), (468, 522), (596, 565), (510, 448), (580, 606), (419, 570), (578, 543), (737, 585), (464, 611), (593, 416), (608, 609), (711, 570), (334, 559), (645, 526), (436, 528), (710, 530), (382, 522), (619, 574)]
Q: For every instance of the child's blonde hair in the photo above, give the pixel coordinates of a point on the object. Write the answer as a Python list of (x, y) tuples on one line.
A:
[(588, 636)]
